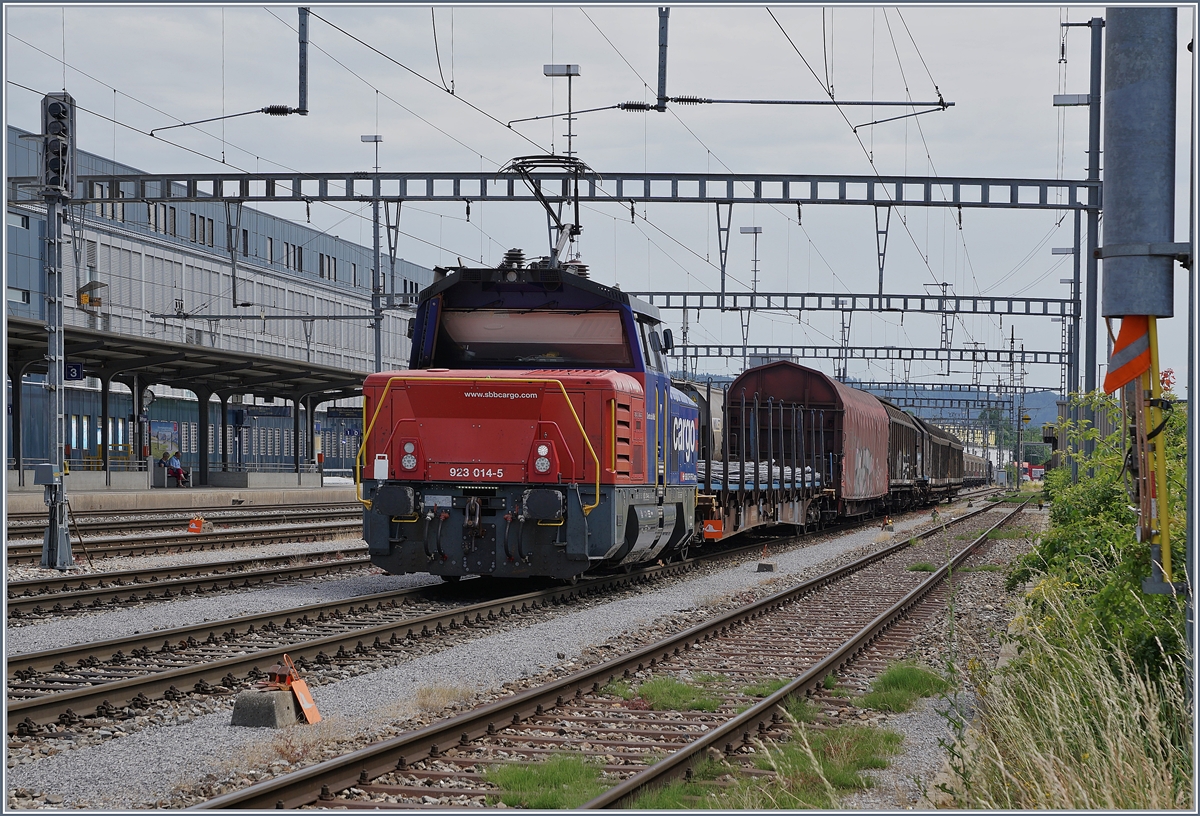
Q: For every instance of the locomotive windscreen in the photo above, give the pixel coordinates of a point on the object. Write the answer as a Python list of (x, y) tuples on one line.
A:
[(561, 339)]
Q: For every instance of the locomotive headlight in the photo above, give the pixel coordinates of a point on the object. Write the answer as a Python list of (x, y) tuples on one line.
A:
[(543, 450), (541, 464), (409, 447), (409, 462)]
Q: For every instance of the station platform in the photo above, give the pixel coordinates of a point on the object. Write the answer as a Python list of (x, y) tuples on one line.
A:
[(90, 501)]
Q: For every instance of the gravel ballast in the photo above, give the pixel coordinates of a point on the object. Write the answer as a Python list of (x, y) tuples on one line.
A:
[(141, 768)]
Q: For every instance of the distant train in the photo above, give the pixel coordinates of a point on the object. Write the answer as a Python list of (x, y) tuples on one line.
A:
[(538, 433)]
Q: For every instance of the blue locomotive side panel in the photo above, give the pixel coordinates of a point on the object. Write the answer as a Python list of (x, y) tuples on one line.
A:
[(683, 437)]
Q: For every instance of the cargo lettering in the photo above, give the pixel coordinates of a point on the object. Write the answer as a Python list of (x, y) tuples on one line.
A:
[(685, 438)]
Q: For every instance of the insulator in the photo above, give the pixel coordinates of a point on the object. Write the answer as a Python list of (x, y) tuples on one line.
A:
[(577, 268), (636, 106), (690, 100), (277, 110), (513, 259)]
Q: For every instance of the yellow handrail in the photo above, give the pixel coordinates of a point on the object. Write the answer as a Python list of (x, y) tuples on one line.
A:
[(359, 462)]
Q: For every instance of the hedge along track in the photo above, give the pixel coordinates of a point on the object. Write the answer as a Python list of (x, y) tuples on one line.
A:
[(26, 527), (107, 546), (108, 666), (64, 594), (575, 712)]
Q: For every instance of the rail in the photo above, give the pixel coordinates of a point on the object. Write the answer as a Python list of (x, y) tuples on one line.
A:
[(763, 712), (360, 462), (302, 786)]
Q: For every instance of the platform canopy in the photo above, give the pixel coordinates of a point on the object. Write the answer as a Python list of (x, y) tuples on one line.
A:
[(179, 365)]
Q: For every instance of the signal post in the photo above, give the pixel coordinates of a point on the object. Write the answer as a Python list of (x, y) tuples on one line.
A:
[(56, 179)]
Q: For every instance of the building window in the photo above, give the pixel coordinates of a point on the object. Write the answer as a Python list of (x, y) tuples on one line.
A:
[(200, 235), (354, 274), (211, 230), (18, 295), (171, 223), (193, 235), (18, 221), (270, 250), (299, 259), (245, 243)]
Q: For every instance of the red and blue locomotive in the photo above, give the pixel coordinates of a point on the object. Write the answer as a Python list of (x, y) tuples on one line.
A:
[(536, 433)]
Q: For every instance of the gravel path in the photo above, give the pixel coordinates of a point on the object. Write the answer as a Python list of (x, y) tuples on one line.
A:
[(142, 768)]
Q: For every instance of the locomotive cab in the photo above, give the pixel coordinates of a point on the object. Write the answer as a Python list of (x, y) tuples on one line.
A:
[(536, 433)]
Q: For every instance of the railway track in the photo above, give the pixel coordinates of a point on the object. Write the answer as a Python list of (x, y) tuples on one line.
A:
[(794, 638), (110, 546), (30, 527), (95, 590), (112, 674), (39, 519)]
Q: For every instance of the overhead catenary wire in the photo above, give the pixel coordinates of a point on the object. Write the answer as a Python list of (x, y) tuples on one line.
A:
[(711, 155), (424, 78)]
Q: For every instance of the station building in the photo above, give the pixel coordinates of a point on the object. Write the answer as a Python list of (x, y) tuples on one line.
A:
[(138, 278)]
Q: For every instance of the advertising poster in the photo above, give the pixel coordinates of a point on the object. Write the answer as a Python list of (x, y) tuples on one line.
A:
[(164, 437)]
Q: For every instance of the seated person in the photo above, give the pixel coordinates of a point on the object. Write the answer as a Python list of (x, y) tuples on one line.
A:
[(175, 468)]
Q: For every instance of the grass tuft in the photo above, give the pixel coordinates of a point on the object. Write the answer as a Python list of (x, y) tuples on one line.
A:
[(1014, 532), (668, 694), (900, 686), (619, 688), (432, 699), (559, 783), (922, 566)]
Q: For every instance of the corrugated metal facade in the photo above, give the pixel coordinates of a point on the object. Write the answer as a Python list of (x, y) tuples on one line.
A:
[(155, 260)]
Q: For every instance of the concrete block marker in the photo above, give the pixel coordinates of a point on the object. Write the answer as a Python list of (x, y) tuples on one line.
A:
[(264, 709), (766, 566)]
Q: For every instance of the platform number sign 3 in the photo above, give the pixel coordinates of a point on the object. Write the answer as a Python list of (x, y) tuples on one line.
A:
[(73, 371)]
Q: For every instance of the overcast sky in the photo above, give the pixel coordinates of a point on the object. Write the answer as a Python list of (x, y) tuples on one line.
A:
[(999, 66)]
